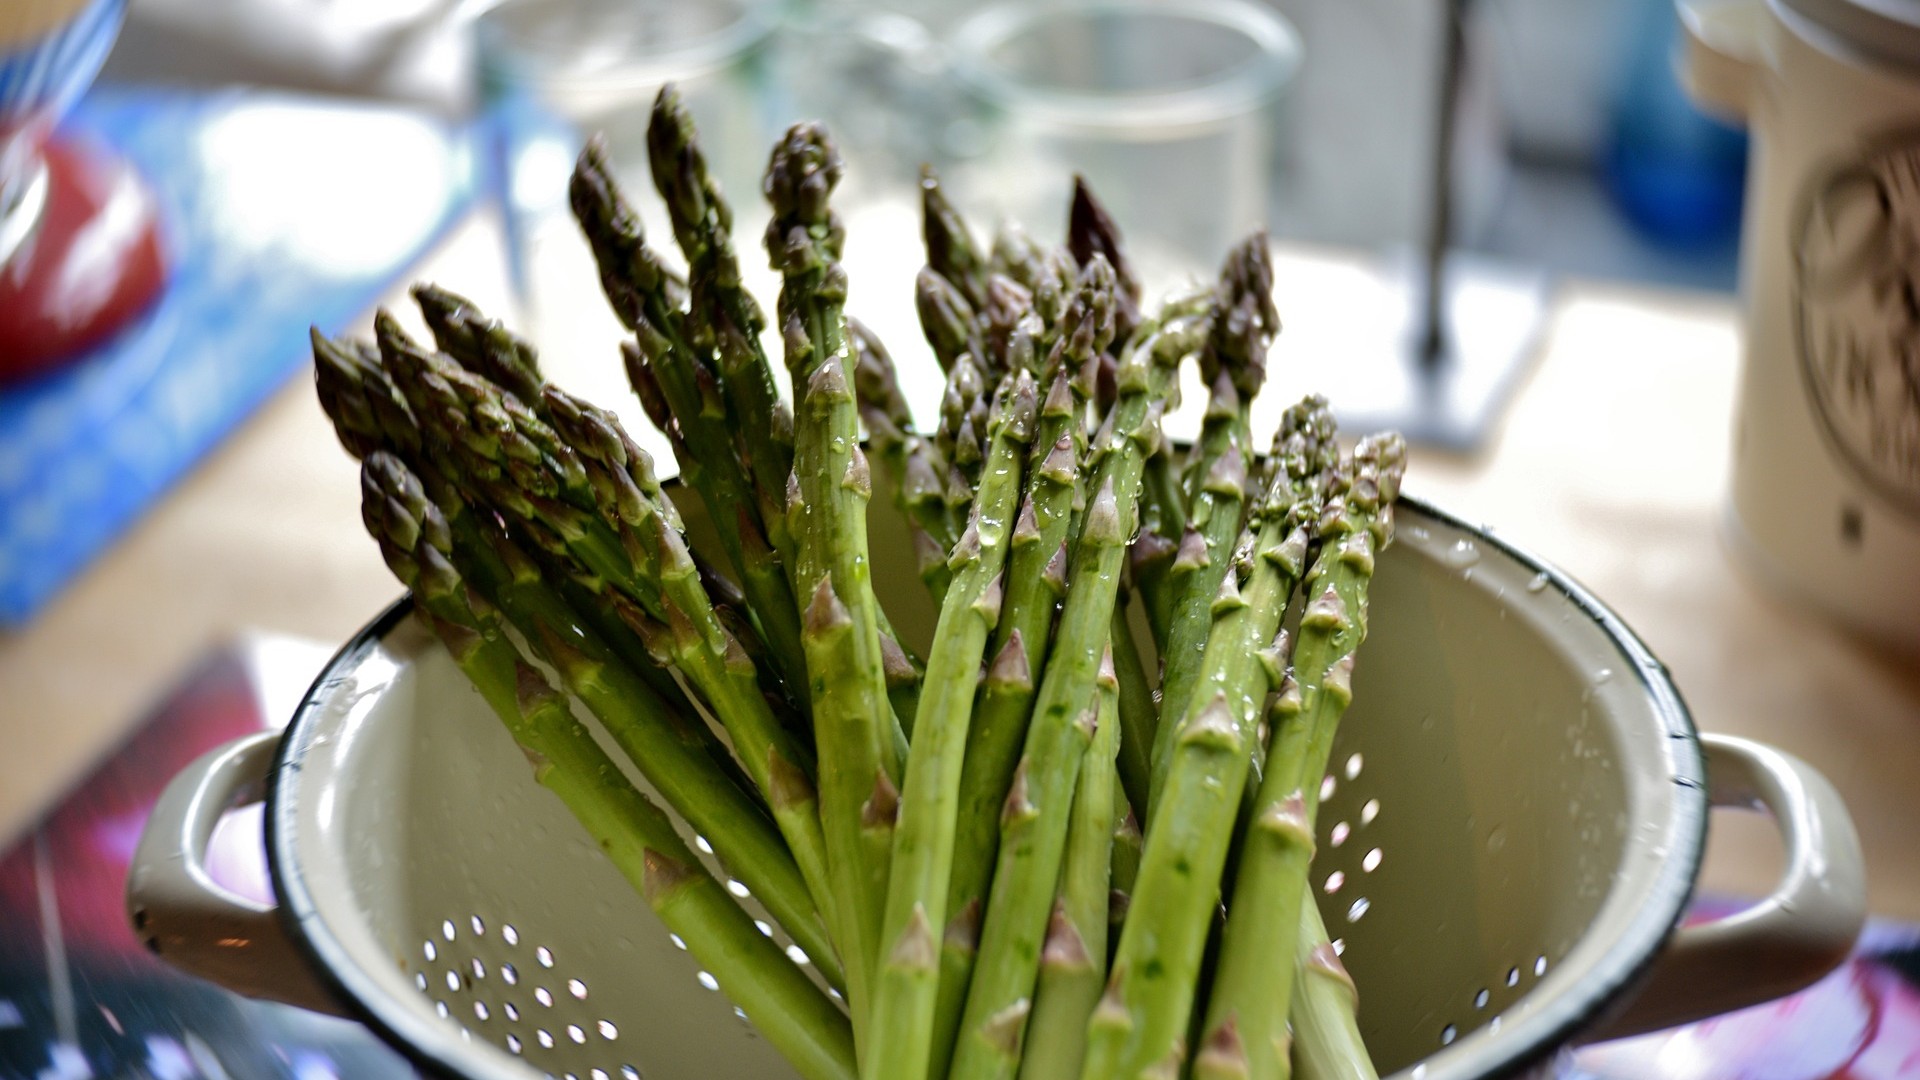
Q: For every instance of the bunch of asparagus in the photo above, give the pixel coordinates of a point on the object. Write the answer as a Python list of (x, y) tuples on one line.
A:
[(1007, 857)]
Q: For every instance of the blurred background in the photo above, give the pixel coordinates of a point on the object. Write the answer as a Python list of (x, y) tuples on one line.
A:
[(258, 166), (1578, 151)]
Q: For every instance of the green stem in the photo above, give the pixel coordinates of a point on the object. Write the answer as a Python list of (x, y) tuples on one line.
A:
[(899, 1038), (1073, 962)]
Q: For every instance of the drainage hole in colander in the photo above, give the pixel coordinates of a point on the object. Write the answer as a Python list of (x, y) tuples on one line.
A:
[(701, 843), (420, 981), (441, 1008), (577, 988), (540, 995), (1448, 1034), (707, 980), (1339, 946), (1513, 976), (738, 889), (1480, 999), (578, 1034), (628, 1072), (1341, 830), (766, 929), (509, 934), (680, 944), (479, 969), (480, 1011), (545, 1037), (1326, 787), (1370, 811), (1539, 967), (1358, 909), (447, 929), (1334, 881), (431, 952), (798, 955), (509, 974), (544, 955), (513, 1043), (512, 1011), (479, 928), (1353, 766), (453, 982), (1370, 861)]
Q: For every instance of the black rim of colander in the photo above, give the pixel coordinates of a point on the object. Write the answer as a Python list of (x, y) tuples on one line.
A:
[(441, 1051), (429, 1045)]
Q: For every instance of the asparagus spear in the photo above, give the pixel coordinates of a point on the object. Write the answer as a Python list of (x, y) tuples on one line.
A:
[(911, 466), (1233, 362), (1253, 987), (1141, 1024), (1091, 231), (1036, 580), (488, 349), (828, 497), (1073, 962), (642, 842), (1136, 709), (723, 316), (951, 252), (1008, 329), (586, 509), (1049, 274), (1326, 1037), (1028, 862), (900, 1035), (674, 375)]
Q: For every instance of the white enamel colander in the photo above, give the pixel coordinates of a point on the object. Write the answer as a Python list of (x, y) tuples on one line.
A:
[(1512, 826)]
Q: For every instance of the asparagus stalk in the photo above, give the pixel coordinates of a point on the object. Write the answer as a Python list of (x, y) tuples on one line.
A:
[(913, 468), (1036, 581), (946, 318), (828, 497), (1233, 363), (951, 252), (1137, 711), (1252, 989), (1326, 1037), (1073, 961), (672, 373), (488, 349), (1092, 231), (961, 437), (1141, 1024), (1050, 275), (1028, 862), (723, 317), (642, 842), (900, 1036), (586, 509)]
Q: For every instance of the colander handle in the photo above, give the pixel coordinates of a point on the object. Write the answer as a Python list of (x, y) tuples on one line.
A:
[(1784, 943), (184, 916)]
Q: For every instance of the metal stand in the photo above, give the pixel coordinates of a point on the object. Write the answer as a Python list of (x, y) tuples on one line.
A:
[(1469, 324)]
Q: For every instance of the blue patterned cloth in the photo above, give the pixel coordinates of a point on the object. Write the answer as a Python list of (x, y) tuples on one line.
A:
[(49, 73), (274, 220)]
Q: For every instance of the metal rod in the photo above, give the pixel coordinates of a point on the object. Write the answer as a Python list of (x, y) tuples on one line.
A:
[(1433, 321)]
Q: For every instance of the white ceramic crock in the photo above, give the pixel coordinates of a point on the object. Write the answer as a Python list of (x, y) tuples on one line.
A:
[(1825, 499)]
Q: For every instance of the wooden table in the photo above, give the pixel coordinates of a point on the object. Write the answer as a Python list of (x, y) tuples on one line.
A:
[(1611, 464)]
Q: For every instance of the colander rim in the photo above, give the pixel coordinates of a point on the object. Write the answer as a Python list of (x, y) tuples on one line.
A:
[(441, 1052)]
